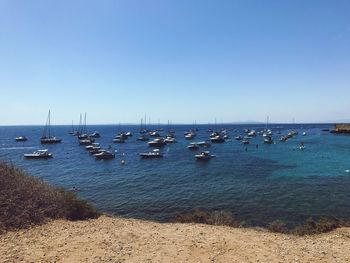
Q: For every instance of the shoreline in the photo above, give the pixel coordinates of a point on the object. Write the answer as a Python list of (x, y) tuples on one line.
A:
[(114, 239)]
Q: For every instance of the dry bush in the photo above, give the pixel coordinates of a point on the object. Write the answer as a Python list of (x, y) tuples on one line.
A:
[(26, 201), (220, 218)]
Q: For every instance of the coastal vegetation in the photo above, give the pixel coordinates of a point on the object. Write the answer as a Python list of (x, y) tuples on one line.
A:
[(221, 218), (27, 201)]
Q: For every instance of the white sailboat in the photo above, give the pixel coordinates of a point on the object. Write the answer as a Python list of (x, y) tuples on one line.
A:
[(48, 137)]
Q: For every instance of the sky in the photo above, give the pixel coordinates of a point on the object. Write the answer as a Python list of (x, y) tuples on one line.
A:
[(179, 60)]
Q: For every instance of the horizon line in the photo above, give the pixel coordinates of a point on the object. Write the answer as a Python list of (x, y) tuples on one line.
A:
[(201, 124)]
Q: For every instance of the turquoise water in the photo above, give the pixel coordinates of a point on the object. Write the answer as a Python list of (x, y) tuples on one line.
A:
[(258, 185)]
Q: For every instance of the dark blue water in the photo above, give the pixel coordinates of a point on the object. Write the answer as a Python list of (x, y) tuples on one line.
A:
[(276, 181)]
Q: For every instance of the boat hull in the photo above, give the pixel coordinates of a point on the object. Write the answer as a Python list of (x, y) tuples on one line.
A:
[(29, 156)]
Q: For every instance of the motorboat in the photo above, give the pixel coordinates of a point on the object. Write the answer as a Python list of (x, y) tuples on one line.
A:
[(83, 136), (245, 141), (95, 135), (267, 133), (152, 154), (154, 134), (193, 146), (304, 133), (302, 146), (284, 139), (122, 136), (217, 139), (95, 150), (21, 139), (268, 140), (251, 133), (214, 134), (104, 155), (118, 139), (204, 144), (87, 141), (190, 136), (158, 142), (128, 134), (238, 137), (169, 140), (91, 146), (204, 156), (39, 154), (143, 138)]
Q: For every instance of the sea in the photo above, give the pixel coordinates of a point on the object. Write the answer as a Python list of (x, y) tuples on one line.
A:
[(258, 183)]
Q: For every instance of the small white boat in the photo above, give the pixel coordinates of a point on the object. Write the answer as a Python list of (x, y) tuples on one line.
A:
[(204, 144), (204, 156), (304, 134), (95, 135), (87, 141), (214, 134), (96, 150), (21, 139), (83, 136), (238, 137), (252, 133), (39, 154), (245, 141), (158, 142), (119, 139), (193, 146), (89, 147), (217, 139), (104, 155), (284, 139), (268, 140), (154, 134), (128, 134), (143, 138), (190, 136), (170, 140), (153, 154)]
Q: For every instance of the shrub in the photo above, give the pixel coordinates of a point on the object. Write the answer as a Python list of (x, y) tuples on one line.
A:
[(26, 201), (220, 218), (278, 226), (311, 227)]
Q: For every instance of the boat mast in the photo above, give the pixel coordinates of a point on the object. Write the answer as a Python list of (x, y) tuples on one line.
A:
[(45, 128), (267, 122), (49, 125), (84, 128)]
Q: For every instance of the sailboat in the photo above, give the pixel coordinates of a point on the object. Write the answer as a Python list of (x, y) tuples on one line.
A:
[(267, 132), (82, 131), (72, 130), (48, 137)]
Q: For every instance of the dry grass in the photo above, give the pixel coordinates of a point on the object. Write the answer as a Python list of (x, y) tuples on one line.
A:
[(26, 201), (218, 218), (222, 218)]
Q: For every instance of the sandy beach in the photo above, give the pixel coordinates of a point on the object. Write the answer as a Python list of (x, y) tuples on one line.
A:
[(109, 239)]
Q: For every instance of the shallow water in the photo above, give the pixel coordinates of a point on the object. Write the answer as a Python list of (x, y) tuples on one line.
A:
[(257, 185)]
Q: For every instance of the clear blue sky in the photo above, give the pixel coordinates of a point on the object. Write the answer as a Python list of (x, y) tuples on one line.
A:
[(182, 60)]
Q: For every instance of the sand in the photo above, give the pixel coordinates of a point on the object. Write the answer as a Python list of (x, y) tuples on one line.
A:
[(109, 239)]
